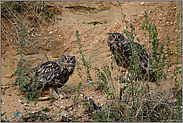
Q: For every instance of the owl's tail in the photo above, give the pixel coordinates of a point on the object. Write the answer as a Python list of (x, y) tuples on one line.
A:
[(28, 68)]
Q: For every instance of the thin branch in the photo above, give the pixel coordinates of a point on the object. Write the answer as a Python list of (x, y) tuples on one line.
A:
[(13, 13)]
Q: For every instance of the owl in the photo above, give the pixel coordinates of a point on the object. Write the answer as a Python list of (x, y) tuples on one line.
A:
[(121, 48), (52, 75)]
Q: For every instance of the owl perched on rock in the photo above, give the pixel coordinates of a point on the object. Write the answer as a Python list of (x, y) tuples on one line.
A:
[(121, 48), (53, 75)]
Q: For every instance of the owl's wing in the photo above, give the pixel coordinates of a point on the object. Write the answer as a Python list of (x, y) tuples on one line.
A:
[(144, 62), (48, 72), (144, 58), (124, 51)]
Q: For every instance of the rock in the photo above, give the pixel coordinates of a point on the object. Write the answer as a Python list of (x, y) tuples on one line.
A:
[(43, 98), (51, 32), (32, 29), (134, 15), (142, 3), (4, 87), (171, 53)]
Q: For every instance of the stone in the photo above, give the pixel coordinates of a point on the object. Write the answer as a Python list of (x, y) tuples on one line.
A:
[(51, 32)]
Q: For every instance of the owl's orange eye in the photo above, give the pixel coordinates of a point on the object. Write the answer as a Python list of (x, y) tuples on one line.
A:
[(71, 59), (65, 59), (113, 37), (119, 37)]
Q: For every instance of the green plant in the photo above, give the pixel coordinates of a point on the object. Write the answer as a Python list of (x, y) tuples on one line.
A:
[(88, 106), (101, 116), (102, 75), (17, 114), (46, 109), (109, 114), (157, 54), (178, 20), (2, 120), (22, 79), (103, 79), (77, 89), (39, 116), (178, 70), (86, 64)]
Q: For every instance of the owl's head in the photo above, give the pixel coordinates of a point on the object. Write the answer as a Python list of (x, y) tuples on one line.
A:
[(68, 62), (115, 37)]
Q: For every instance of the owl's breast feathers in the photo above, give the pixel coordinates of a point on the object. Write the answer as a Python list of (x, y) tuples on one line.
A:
[(51, 73)]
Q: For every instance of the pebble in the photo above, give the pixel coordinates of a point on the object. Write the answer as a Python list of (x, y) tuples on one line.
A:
[(142, 3), (32, 29), (134, 15), (171, 53), (62, 106), (51, 32), (20, 100), (3, 87)]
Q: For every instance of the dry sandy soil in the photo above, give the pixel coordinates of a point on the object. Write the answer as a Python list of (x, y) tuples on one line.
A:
[(58, 37)]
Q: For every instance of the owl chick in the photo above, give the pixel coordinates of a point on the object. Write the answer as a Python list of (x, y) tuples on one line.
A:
[(121, 48), (52, 75)]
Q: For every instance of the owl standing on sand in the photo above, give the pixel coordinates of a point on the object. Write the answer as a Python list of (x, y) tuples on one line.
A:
[(121, 48), (52, 74)]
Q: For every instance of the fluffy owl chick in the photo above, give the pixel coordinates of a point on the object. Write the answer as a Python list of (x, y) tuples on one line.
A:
[(121, 48), (52, 75)]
